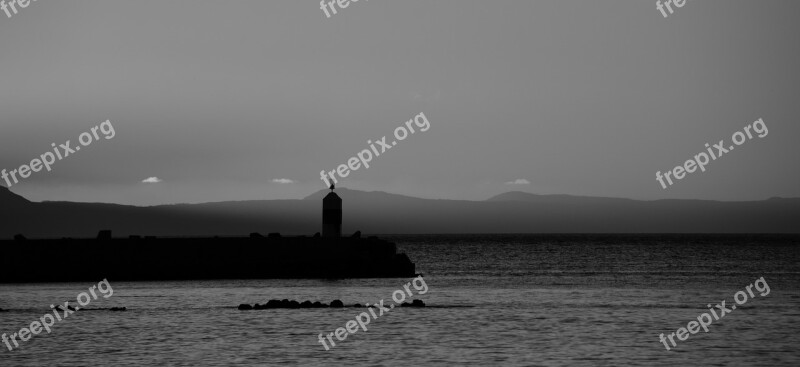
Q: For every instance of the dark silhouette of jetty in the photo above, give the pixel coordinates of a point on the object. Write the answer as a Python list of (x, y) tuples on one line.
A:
[(255, 257)]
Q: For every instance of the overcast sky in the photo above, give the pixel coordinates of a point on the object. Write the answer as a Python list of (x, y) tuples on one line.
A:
[(219, 98)]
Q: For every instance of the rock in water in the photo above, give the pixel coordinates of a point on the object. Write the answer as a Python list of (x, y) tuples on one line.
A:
[(273, 303)]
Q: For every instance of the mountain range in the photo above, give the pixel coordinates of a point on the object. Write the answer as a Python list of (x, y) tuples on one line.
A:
[(384, 213)]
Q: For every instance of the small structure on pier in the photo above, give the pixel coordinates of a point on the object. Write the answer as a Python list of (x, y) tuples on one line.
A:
[(332, 215)]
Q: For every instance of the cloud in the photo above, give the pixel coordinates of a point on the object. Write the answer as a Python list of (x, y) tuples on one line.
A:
[(519, 181), (152, 180), (282, 181)]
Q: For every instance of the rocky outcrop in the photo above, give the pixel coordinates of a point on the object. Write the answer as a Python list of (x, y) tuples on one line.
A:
[(287, 304)]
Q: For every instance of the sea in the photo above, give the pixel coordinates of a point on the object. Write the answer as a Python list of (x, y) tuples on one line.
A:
[(491, 300)]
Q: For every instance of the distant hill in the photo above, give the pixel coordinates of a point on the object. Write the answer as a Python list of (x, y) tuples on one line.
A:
[(559, 199), (346, 194), (385, 213), (11, 200)]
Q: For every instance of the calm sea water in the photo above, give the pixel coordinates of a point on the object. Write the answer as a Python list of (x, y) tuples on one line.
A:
[(545, 300)]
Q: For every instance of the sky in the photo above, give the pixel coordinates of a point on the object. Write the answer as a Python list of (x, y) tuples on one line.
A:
[(251, 99)]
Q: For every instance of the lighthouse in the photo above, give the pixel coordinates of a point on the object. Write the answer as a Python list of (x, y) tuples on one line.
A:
[(332, 215)]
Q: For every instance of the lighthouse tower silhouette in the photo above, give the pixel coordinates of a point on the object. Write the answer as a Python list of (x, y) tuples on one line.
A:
[(332, 215)]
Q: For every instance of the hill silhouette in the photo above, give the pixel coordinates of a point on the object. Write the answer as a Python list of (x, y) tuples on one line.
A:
[(10, 199), (385, 213)]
